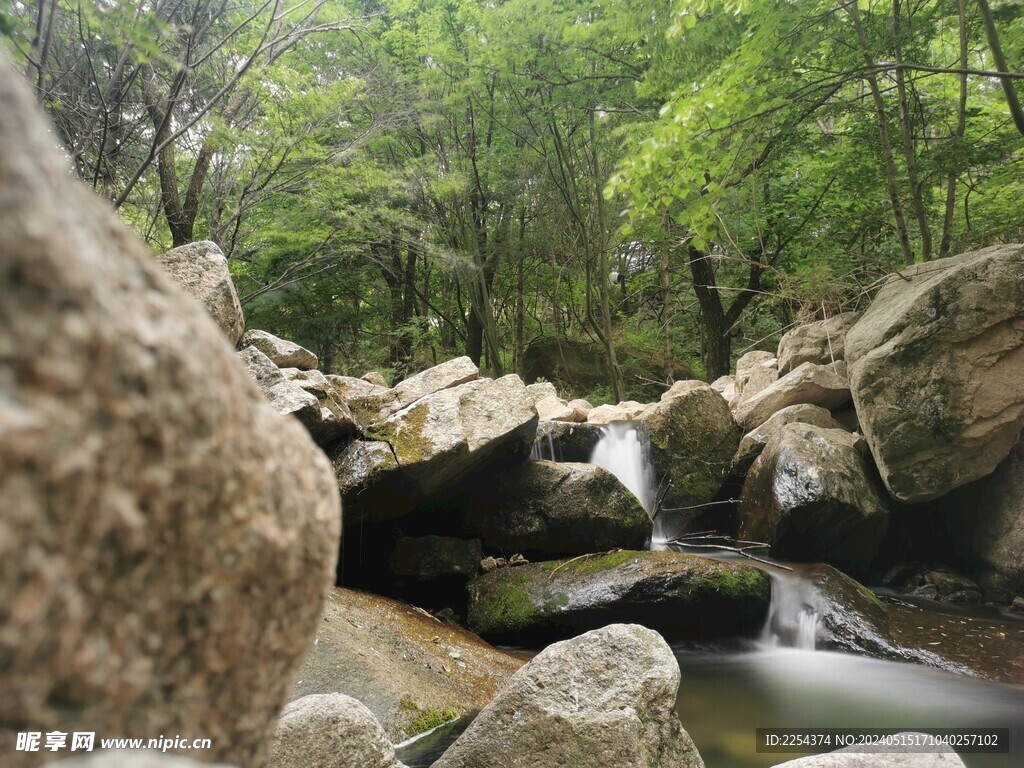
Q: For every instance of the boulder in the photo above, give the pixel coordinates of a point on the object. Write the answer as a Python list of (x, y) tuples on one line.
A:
[(330, 730), (754, 372), (285, 396), (606, 698), (285, 354), (541, 389), (624, 411), (754, 442), (571, 365), (375, 378), (202, 270), (821, 342), (547, 510), (556, 409), (812, 495), (883, 756), (681, 387), (582, 407), (935, 368), (409, 668), (566, 441), (130, 758), (435, 443), (167, 537), (693, 438), (431, 557), (336, 422), (682, 596), (373, 406), (724, 383), (822, 385), (986, 519)]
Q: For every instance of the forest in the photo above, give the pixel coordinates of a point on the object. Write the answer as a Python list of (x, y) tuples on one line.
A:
[(655, 187)]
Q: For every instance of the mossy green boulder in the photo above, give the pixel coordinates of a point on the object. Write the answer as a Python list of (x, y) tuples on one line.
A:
[(681, 596)]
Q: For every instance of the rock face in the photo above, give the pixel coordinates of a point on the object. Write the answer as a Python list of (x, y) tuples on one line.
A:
[(693, 439), (987, 520), (547, 510), (811, 495), (822, 385), (935, 368), (605, 698), (683, 596), (167, 538), (754, 442), (432, 443), (285, 354), (406, 666), (202, 270), (330, 730), (820, 343), (431, 557)]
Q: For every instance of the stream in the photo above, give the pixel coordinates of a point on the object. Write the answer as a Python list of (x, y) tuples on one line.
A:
[(783, 680)]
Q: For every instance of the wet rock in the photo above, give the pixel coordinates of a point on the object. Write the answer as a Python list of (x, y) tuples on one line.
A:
[(284, 354), (202, 270), (682, 596), (986, 519), (811, 495), (821, 342), (551, 510), (330, 730), (564, 441), (605, 698), (948, 582), (935, 366), (396, 659), (431, 557), (753, 443), (693, 439), (166, 537), (436, 442), (823, 385), (1017, 606)]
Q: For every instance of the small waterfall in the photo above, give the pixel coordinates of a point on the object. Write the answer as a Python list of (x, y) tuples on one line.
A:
[(544, 449), (794, 612), (624, 450)]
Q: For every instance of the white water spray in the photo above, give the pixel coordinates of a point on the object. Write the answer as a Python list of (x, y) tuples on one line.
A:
[(793, 615), (625, 451)]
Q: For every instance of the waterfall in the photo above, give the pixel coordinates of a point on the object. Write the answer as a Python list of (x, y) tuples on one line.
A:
[(544, 449), (624, 450), (794, 611)]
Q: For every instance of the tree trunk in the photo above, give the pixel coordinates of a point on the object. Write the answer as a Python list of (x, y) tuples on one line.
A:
[(717, 336), (961, 126)]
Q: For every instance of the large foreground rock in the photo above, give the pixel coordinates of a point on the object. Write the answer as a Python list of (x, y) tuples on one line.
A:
[(822, 385), (202, 270), (330, 730), (821, 343), (547, 510), (605, 698), (935, 368), (693, 439), (683, 596), (410, 669), (753, 443), (812, 496), (433, 444), (166, 538)]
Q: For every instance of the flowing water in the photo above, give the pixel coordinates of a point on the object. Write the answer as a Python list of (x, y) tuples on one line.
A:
[(780, 680)]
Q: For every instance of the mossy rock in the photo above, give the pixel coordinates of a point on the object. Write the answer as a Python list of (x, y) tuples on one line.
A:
[(681, 596)]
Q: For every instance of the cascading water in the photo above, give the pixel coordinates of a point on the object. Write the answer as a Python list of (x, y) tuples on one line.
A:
[(544, 449), (793, 613), (624, 450)]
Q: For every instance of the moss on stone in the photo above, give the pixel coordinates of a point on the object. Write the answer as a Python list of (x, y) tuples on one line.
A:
[(405, 435), (587, 564), (502, 604), (738, 582), (424, 719)]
